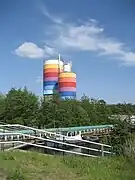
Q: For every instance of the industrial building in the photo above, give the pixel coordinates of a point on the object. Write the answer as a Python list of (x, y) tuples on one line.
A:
[(58, 78)]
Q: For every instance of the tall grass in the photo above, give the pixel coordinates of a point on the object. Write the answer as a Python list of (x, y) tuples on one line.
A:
[(129, 149), (36, 166)]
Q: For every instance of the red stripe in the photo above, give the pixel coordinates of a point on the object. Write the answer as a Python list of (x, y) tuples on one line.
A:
[(67, 84), (51, 74)]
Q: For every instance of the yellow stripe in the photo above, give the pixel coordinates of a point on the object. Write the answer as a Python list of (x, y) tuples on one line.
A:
[(52, 66), (62, 75)]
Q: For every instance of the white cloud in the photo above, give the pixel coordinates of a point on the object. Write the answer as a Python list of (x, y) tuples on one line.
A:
[(49, 51), (31, 50), (88, 36), (128, 58), (54, 19), (82, 36)]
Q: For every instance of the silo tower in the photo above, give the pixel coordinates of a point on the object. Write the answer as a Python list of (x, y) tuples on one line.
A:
[(67, 82), (51, 71)]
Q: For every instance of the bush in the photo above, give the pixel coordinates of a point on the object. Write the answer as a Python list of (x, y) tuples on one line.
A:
[(122, 140), (129, 149)]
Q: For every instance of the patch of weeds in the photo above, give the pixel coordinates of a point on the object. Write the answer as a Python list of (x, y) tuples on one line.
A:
[(16, 175), (7, 157)]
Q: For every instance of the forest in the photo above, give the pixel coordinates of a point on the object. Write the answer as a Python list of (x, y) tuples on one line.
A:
[(24, 107)]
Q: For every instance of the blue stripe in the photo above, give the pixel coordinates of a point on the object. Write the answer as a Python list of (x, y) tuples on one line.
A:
[(56, 86), (49, 87), (68, 97), (48, 92), (68, 93), (47, 83)]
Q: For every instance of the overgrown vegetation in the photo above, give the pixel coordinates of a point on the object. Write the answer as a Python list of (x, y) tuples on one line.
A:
[(30, 165), (24, 107)]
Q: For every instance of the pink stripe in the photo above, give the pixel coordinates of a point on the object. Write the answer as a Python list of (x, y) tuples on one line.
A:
[(51, 78), (63, 89)]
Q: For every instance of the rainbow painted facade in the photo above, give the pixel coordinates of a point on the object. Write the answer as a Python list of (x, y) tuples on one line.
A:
[(67, 85), (58, 77), (51, 71)]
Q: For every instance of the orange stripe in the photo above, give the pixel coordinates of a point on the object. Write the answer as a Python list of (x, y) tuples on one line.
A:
[(51, 70), (70, 74), (66, 79)]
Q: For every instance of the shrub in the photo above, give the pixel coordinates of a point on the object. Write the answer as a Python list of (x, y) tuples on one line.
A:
[(129, 149)]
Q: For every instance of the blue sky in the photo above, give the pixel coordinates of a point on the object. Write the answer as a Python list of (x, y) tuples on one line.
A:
[(97, 36)]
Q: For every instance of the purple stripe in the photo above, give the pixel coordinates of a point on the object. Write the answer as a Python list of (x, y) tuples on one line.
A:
[(51, 78), (63, 89)]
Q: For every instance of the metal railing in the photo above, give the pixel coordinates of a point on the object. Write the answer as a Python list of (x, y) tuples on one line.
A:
[(12, 137), (18, 138), (51, 134), (46, 147)]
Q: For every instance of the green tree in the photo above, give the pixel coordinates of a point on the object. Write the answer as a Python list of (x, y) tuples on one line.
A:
[(24, 107), (103, 112), (46, 114), (2, 107), (97, 110), (21, 106), (89, 106), (119, 136)]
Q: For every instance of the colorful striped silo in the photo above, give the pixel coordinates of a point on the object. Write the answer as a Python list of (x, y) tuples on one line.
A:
[(52, 68), (67, 83)]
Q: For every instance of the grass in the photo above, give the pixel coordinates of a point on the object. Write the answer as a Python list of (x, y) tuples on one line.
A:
[(30, 165)]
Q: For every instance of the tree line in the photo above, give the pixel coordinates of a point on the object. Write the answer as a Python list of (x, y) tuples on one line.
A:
[(24, 107)]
